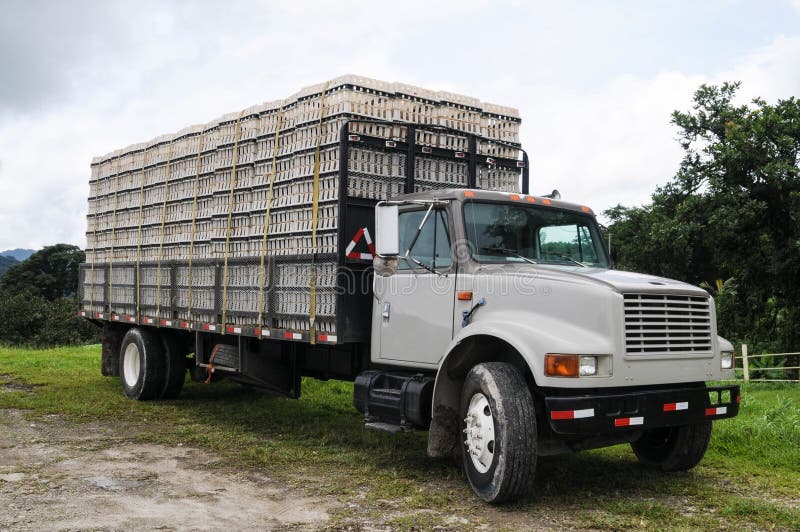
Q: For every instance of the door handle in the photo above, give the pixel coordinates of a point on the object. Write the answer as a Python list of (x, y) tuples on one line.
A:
[(386, 310)]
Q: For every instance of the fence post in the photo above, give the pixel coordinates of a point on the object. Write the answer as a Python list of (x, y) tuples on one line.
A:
[(745, 364)]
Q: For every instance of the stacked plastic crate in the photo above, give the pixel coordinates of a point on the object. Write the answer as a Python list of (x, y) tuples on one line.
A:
[(237, 194)]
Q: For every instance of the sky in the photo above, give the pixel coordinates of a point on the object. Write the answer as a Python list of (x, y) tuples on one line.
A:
[(595, 82)]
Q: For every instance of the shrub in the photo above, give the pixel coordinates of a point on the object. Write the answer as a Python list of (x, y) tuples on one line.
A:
[(33, 321)]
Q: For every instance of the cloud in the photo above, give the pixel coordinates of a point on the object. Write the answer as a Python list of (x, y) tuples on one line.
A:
[(595, 83), (616, 144)]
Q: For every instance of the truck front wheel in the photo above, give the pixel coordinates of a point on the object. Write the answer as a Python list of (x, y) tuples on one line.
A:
[(673, 448), (498, 423), (142, 365)]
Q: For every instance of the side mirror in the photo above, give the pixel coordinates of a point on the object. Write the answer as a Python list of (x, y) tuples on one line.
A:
[(387, 240)]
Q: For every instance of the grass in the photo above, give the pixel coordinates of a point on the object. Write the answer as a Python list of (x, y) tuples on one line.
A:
[(749, 479)]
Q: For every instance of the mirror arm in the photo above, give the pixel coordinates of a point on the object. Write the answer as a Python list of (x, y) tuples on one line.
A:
[(419, 229)]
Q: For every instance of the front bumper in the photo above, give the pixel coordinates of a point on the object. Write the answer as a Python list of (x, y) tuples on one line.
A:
[(601, 414)]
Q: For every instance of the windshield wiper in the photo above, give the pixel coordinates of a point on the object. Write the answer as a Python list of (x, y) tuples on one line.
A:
[(566, 258), (511, 253)]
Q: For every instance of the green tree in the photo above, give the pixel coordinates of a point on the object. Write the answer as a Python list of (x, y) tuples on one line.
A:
[(6, 263), (731, 211), (37, 300), (51, 273)]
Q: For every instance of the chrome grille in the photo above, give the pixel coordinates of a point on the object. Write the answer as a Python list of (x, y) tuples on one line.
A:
[(667, 324)]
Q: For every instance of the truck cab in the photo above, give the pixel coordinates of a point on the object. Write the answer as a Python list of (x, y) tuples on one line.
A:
[(536, 344)]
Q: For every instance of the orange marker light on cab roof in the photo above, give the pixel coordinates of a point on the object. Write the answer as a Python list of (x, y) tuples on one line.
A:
[(530, 199), (586, 209), (465, 296), (469, 194), (514, 197), (546, 201)]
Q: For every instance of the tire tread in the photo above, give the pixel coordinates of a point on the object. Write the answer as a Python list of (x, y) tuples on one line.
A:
[(520, 448)]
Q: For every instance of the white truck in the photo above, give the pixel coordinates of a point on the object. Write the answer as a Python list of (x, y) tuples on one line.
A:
[(492, 319)]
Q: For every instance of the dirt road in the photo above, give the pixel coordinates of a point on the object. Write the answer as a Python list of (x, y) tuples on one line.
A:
[(59, 475)]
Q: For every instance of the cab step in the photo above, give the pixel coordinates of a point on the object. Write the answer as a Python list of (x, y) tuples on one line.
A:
[(384, 427)]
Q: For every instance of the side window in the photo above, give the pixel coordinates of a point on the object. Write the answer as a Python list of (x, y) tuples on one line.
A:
[(433, 244), (442, 245)]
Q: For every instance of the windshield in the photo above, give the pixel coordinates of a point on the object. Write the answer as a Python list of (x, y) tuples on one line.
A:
[(502, 232)]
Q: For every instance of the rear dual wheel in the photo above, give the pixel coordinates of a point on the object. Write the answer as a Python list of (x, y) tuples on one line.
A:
[(151, 366)]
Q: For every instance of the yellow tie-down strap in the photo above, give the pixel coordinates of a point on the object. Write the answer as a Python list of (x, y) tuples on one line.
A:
[(262, 272), (200, 146), (113, 238), (139, 238), (237, 135), (312, 307), (163, 225)]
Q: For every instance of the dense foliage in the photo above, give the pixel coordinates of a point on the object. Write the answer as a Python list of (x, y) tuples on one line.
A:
[(6, 263), (37, 300), (730, 218)]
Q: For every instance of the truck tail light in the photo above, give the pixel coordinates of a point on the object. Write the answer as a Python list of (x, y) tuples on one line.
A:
[(561, 365)]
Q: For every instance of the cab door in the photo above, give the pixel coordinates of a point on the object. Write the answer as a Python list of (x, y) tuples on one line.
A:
[(414, 308)]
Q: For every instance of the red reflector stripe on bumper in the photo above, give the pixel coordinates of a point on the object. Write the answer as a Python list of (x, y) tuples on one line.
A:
[(672, 407), (572, 414), (628, 421), (717, 411)]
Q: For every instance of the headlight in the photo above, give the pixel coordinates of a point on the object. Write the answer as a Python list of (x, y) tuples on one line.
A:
[(588, 366), (726, 359), (561, 365)]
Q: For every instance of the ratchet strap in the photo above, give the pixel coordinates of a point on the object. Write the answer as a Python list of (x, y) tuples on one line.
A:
[(236, 136), (312, 307), (113, 235), (210, 367), (93, 281), (163, 225), (139, 236), (200, 146), (262, 272)]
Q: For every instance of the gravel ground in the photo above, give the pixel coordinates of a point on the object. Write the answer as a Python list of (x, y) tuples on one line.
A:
[(57, 475)]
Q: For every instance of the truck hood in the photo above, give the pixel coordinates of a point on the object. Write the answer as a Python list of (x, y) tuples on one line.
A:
[(636, 282), (617, 280)]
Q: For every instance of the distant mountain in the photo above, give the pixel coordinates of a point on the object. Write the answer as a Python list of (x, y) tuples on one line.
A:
[(18, 254), (6, 263)]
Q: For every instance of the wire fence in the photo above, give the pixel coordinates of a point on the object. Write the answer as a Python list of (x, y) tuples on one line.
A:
[(768, 367)]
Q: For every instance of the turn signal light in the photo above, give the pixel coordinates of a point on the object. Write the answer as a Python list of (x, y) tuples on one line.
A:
[(561, 365)]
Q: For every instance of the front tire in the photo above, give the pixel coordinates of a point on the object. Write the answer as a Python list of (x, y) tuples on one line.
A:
[(673, 448), (498, 422), (142, 367)]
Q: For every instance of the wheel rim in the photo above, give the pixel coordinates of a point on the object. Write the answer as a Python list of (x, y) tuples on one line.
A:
[(130, 364), (479, 433)]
